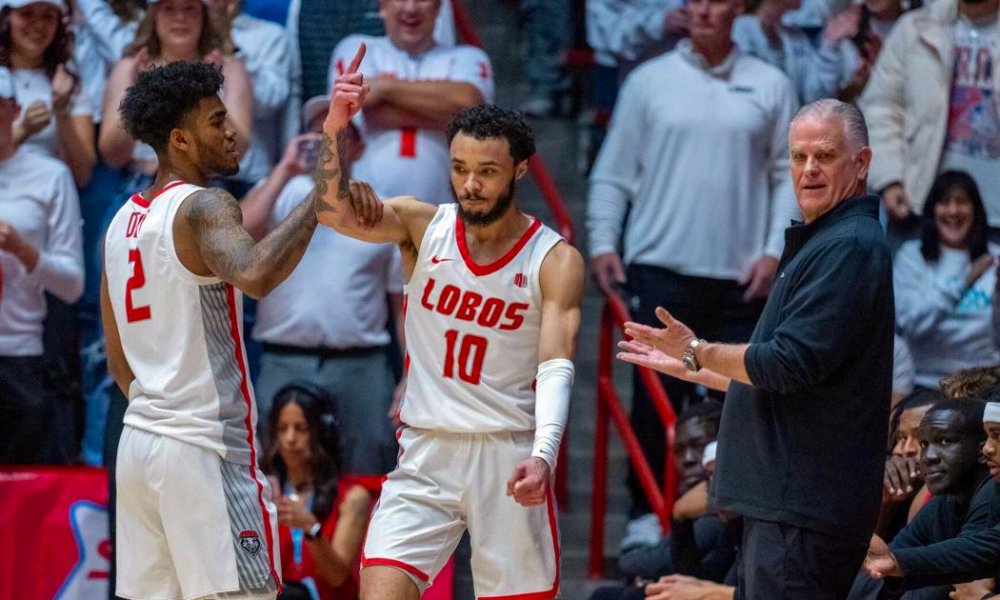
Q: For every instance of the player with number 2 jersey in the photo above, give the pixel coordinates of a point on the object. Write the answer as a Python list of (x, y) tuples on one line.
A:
[(492, 313), (194, 514)]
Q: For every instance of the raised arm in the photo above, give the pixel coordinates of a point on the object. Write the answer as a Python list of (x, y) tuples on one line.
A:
[(399, 220)]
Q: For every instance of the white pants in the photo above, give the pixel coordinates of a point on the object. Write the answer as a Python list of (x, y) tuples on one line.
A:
[(191, 525), (446, 483)]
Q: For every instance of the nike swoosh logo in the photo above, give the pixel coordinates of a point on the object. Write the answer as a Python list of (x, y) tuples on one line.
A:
[(435, 260)]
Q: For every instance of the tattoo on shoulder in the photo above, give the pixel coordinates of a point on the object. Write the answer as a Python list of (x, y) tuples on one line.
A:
[(327, 168), (212, 207)]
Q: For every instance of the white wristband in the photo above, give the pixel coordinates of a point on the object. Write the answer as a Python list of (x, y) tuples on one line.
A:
[(553, 386)]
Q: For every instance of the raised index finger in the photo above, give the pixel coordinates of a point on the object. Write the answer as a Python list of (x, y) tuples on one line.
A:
[(356, 61)]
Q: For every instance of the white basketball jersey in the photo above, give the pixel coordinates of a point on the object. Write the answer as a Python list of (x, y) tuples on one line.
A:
[(182, 333), (472, 331)]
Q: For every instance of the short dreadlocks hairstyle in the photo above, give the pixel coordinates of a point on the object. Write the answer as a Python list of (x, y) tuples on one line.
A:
[(489, 121), (161, 97)]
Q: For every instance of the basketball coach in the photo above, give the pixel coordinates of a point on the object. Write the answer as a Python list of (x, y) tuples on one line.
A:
[(803, 435)]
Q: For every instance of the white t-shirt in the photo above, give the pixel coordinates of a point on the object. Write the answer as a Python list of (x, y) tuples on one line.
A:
[(38, 198), (972, 143), (411, 161), (32, 85), (182, 334), (336, 296), (472, 331)]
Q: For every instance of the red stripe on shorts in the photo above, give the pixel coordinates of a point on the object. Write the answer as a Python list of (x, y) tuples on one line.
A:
[(234, 329), (553, 528)]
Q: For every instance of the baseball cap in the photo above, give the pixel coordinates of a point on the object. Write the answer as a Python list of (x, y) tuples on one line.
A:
[(314, 107), (22, 3), (6, 83), (992, 413)]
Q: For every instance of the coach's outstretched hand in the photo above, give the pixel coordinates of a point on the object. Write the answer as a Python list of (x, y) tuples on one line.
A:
[(529, 482)]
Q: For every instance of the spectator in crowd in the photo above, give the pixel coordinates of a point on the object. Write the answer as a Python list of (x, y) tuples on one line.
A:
[(327, 325), (625, 33), (695, 429), (951, 436), (902, 370), (267, 55), (945, 281), (317, 26), (57, 119), (322, 515), (903, 484), (416, 87), (40, 252), (102, 29), (808, 495), (971, 382), (697, 561), (547, 29), (816, 72), (933, 104), (702, 245), (877, 19), (171, 30)]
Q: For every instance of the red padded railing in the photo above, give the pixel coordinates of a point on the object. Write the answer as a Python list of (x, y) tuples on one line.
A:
[(609, 408)]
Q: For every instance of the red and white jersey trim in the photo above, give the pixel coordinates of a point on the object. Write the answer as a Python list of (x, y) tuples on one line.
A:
[(472, 331)]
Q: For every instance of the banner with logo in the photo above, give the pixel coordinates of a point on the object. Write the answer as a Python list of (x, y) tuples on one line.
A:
[(54, 533)]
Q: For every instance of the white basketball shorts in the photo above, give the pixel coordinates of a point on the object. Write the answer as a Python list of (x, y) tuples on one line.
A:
[(446, 483), (191, 525)]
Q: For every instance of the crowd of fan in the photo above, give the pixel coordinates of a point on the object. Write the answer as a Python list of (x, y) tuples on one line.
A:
[(689, 198)]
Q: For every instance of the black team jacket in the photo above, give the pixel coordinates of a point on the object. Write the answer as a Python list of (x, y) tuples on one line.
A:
[(805, 444)]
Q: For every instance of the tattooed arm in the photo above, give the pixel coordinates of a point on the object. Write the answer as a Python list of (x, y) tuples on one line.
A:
[(211, 223), (351, 207)]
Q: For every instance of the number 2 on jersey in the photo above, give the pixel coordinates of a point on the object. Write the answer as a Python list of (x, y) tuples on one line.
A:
[(136, 281), (471, 354)]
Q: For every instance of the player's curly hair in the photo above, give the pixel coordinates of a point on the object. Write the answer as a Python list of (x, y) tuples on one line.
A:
[(161, 97), (489, 121)]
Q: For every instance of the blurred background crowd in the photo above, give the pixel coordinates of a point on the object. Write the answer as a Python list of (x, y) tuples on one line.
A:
[(684, 107)]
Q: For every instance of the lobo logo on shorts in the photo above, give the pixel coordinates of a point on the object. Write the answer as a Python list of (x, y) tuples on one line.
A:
[(250, 541)]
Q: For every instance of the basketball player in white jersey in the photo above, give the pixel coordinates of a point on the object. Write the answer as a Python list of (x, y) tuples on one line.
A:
[(492, 313), (194, 517)]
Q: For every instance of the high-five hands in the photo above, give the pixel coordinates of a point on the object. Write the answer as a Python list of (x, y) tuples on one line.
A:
[(348, 93)]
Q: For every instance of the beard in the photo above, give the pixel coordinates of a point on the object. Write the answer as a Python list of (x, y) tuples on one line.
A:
[(477, 219)]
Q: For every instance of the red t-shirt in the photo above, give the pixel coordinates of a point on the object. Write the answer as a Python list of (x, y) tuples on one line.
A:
[(296, 572)]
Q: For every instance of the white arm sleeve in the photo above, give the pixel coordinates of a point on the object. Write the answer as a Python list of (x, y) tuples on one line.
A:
[(553, 385)]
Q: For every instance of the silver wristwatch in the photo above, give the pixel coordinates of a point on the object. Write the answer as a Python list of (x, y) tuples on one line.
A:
[(689, 359)]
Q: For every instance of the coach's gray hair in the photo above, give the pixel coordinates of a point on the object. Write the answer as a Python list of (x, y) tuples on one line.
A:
[(854, 122)]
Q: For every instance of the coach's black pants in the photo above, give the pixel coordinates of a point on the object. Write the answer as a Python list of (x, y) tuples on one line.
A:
[(714, 309), (784, 562)]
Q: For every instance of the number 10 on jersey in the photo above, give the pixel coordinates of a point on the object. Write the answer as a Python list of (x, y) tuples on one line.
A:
[(467, 363)]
